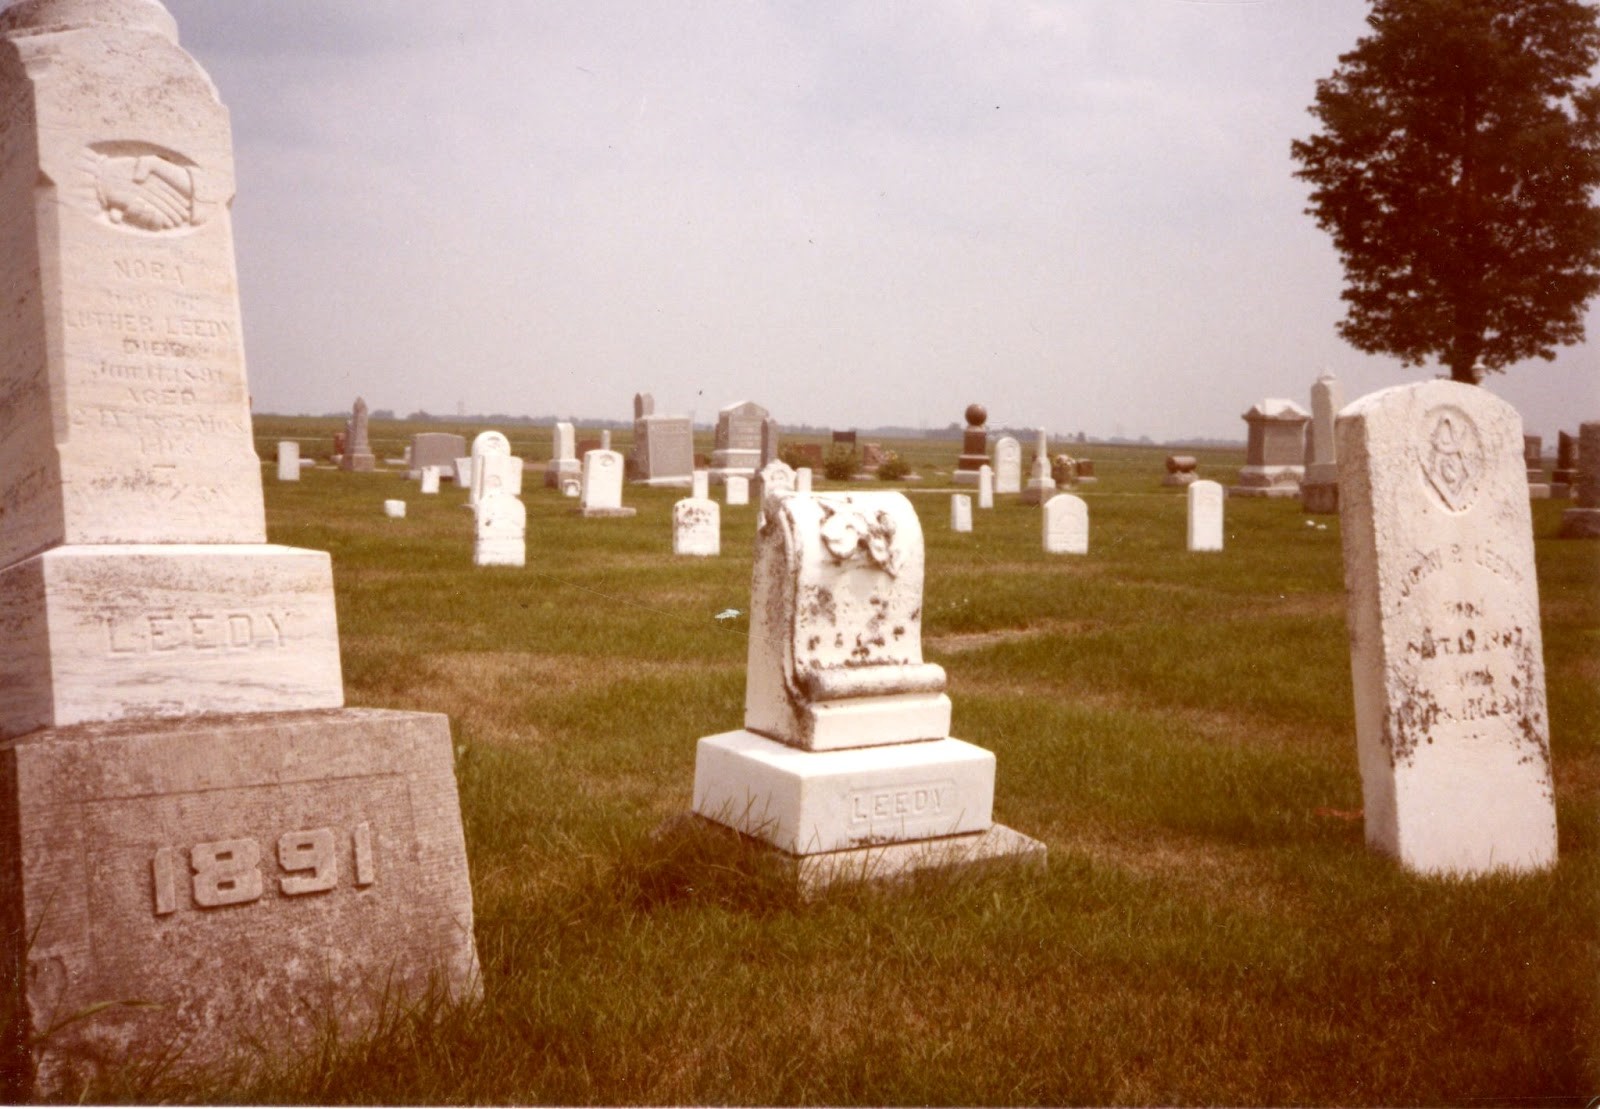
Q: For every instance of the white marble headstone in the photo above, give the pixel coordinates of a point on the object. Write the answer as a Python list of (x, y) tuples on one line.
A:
[(395, 510), (985, 486), (1066, 524), (288, 460), (736, 489), (697, 526), (1206, 501), (502, 528), (1007, 465), (430, 479), (1447, 658), (960, 512)]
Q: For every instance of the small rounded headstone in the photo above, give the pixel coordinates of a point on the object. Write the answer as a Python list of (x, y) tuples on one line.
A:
[(977, 415)]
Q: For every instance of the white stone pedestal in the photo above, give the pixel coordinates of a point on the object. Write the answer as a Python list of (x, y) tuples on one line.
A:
[(810, 802)]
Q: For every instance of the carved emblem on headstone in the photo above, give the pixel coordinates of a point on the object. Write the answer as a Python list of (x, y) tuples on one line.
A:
[(1452, 456), (847, 532), (140, 186)]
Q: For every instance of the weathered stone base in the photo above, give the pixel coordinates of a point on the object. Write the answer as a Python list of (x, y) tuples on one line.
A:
[(1538, 491), (500, 552), (217, 888), (605, 513), (677, 481), (167, 630), (815, 802), (1180, 479), (359, 463), (1580, 523), (1320, 498), (1038, 494), (561, 469), (966, 477), (1268, 481)]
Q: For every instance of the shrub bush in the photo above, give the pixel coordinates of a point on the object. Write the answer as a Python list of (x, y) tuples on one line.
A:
[(841, 464), (893, 467)]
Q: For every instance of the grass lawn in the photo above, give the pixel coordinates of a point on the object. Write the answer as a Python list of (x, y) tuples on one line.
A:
[(1177, 728)]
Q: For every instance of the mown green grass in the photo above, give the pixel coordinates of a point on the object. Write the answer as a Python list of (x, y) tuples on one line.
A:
[(1177, 728)]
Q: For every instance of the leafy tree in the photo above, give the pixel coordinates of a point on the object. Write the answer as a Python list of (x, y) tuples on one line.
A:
[(1456, 171)]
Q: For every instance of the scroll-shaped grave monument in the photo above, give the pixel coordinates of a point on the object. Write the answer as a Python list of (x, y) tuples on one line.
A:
[(697, 521), (502, 521), (845, 759), (187, 815), (1445, 646)]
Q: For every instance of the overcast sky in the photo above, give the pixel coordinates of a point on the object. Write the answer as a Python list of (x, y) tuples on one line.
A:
[(1080, 213)]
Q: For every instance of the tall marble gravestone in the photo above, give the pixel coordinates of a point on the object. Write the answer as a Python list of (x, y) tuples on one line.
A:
[(188, 818), (358, 456), (1041, 478), (1446, 653), (1007, 465), (1319, 491), (845, 762), (564, 465), (1066, 525), (1206, 506)]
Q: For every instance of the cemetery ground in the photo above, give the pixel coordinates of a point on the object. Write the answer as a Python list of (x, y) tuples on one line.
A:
[(1176, 727)]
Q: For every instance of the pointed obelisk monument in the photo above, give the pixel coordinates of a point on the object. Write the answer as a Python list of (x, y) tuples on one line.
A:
[(189, 819)]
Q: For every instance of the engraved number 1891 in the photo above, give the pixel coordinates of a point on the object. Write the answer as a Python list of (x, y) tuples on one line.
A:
[(228, 872)]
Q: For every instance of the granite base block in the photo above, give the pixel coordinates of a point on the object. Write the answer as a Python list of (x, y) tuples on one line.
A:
[(219, 889), (605, 513)]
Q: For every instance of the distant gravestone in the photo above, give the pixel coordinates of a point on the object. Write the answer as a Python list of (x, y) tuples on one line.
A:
[(663, 450), (736, 446), (1181, 470), (436, 448), (1206, 506), (986, 486), (776, 476), (461, 470), (494, 467), (1274, 462), (429, 480), (1583, 521), (502, 530), (697, 521), (802, 480), (1007, 465), (974, 446), (205, 854), (564, 461), (602, 485), (1565, 475), (1446, 652), (845, 762), (1041, 478), (1319, 492), (288, 460), (1066, 524), (1085, 471), (1533, 458), (736, 489), (358, 456), (395, 510), (960, 512)]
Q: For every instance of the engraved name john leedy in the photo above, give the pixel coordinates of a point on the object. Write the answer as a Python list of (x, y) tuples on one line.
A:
[(228, 872)]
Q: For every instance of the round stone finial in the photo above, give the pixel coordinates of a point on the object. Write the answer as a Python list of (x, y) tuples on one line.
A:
[(32, 17), (977, 415)]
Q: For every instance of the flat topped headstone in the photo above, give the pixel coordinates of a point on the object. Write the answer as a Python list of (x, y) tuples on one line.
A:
[(986, 486), (1446, 652), (960, 512), (288, 460), (1007, 465), (436, 448), (502, 528), (1206, 505), (697, 527)]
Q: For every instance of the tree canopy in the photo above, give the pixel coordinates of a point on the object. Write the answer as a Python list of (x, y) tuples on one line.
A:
[(1456, 171)]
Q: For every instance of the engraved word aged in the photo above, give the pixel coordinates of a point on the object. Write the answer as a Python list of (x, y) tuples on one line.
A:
[(228, 872)]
